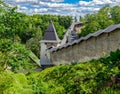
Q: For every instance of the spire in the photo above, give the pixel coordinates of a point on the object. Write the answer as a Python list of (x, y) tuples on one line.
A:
[(50, 34)]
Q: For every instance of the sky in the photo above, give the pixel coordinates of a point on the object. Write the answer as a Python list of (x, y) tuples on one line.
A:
[(60, 7)]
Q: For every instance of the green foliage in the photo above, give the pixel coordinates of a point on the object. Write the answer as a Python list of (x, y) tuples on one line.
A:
[(100, 20), (14, 83), (61, 22), (17, 28), (92, 77), (110, 91), (115, 14), (65, 21), (113, 60), (90, 28), (14, 55), (60, 30), (33, 43), (26, 28)]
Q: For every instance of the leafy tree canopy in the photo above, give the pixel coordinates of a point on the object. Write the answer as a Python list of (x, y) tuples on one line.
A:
[(103, 18)]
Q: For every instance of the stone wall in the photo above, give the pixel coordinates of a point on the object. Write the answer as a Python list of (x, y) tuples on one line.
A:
[(91, 48)]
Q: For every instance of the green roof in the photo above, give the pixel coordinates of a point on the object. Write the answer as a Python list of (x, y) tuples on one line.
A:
[(34, 58)]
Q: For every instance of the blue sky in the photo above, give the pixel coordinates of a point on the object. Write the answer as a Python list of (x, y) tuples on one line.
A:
[(71, 1), (74, 1), (60, 7)]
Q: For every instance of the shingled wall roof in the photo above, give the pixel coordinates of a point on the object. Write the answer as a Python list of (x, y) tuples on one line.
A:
[(50, 34), (96, 34)]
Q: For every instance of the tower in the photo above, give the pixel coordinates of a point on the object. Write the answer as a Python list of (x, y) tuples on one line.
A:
[(49, 41)]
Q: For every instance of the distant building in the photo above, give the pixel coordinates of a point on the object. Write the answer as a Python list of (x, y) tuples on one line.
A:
[(49, 41)]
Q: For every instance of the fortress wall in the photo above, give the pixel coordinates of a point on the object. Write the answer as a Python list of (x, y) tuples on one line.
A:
[(53, 57), (59, 56), (68, 54), (81, 51), (63, 55), (101, 45), (92, 48), (75, 53), (114, 40)]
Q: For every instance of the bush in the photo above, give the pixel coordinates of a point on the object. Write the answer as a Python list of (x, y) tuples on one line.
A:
[(14, 56), (14, 83), (93, 77)]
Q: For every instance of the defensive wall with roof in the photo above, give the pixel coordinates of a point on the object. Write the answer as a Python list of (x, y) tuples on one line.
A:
[(50, 40), (92, 46)]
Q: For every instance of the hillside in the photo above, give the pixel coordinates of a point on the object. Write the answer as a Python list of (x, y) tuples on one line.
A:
[(95, 77), (20, 34)]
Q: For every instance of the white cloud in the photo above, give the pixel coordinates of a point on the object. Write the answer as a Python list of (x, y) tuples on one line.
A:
[(95, 2), (57, 0), (23, 8), (35, 1), (40, 10), (58, 7), (84, 3), (26, 1), (35, 6), (99, 2)]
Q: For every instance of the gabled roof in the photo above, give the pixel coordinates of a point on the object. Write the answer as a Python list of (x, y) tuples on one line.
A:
[(50, 34)]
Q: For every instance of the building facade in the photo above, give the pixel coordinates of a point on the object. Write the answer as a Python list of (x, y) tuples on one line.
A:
[(50, 40)]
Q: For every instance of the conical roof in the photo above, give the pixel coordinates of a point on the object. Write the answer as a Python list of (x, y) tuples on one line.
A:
[(50, 34)]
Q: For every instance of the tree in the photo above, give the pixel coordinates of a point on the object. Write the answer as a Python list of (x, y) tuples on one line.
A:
[(60, 30), (33, 43), (115, 14), (96, 21), (65, 21), (90, 28)]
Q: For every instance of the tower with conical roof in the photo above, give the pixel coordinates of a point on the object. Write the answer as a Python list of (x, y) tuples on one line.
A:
[(49, 41)]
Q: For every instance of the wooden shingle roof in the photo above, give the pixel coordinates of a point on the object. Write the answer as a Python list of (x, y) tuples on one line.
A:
[(50, 34)]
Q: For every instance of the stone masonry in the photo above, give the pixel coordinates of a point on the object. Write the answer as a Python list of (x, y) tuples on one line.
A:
[(93, 46)]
